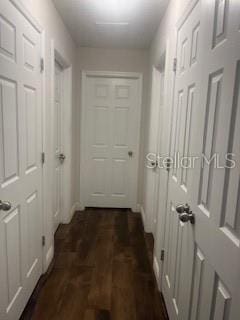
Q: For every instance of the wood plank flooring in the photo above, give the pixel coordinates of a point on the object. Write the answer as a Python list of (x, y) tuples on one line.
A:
[(101, 271)]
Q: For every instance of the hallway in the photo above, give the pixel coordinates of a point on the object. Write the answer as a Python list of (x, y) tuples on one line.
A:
[(101, 270), (132, 106)]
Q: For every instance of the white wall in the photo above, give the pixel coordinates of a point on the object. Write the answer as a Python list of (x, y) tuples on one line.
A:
[(47, 16), (122, 60)]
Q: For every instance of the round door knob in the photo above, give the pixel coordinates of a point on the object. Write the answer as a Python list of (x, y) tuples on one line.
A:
[(5, 205), (186, 217)]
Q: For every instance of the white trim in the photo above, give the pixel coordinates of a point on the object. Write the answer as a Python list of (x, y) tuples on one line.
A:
[(25, 12), (81, 148), (143, 216), (57, 55), (156, 271), (81, 207), (163, 175), (75, 207), (110, 74), (138, 76), (146, 226), (49, 257), (44, 168), (137, 208)]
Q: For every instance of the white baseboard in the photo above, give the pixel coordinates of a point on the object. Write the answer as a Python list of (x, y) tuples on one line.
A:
[(75, 207), (138, 207), (147, 229), (156, 270), (143, 216), (49, 257), (80, 207)]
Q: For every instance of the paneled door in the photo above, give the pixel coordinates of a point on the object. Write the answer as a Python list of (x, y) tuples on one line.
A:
[(111, 138), (58, 155), (154, 144), (201, 278), (20, 160)]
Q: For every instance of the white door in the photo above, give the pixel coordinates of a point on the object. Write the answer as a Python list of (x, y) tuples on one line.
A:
[(155, 126), (111, 137), (58, 155), (20, 160), (201, 277)]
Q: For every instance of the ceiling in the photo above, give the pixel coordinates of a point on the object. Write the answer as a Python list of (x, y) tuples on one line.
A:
[(112, 23)]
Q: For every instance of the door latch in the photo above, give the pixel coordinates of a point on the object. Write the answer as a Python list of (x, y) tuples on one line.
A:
[(162, 255), (62, 157)]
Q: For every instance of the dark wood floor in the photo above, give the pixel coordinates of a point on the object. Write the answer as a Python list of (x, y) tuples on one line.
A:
[(101, 271)]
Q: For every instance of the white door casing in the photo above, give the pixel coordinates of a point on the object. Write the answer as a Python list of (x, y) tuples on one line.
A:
[(20, 159), (201, 269), (162, 171), (158, 182), (64, 134), (152, 174), (58, 104), (111, 125)]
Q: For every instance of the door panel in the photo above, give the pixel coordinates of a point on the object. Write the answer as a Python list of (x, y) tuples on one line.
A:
[(10, 144), (20, 160), (98, 140), (58, 103), (221, 98), (206, 122), (179, 243), (125, 137), (110, 133)]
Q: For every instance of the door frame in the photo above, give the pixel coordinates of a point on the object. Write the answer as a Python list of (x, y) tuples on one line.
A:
[(152, 197), (169, 50), (109, 74), (22, 9), (66, 114), (159, 70)]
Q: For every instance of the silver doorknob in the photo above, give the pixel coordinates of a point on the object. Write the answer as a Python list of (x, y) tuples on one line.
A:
[(185, 217), (183, 208), (5, 205), (61, 157)]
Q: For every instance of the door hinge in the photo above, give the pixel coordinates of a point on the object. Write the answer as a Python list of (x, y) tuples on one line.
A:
[(162, 255), (168, 164), (43, 157), (42, 65), (43, 241), (174, 64)]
